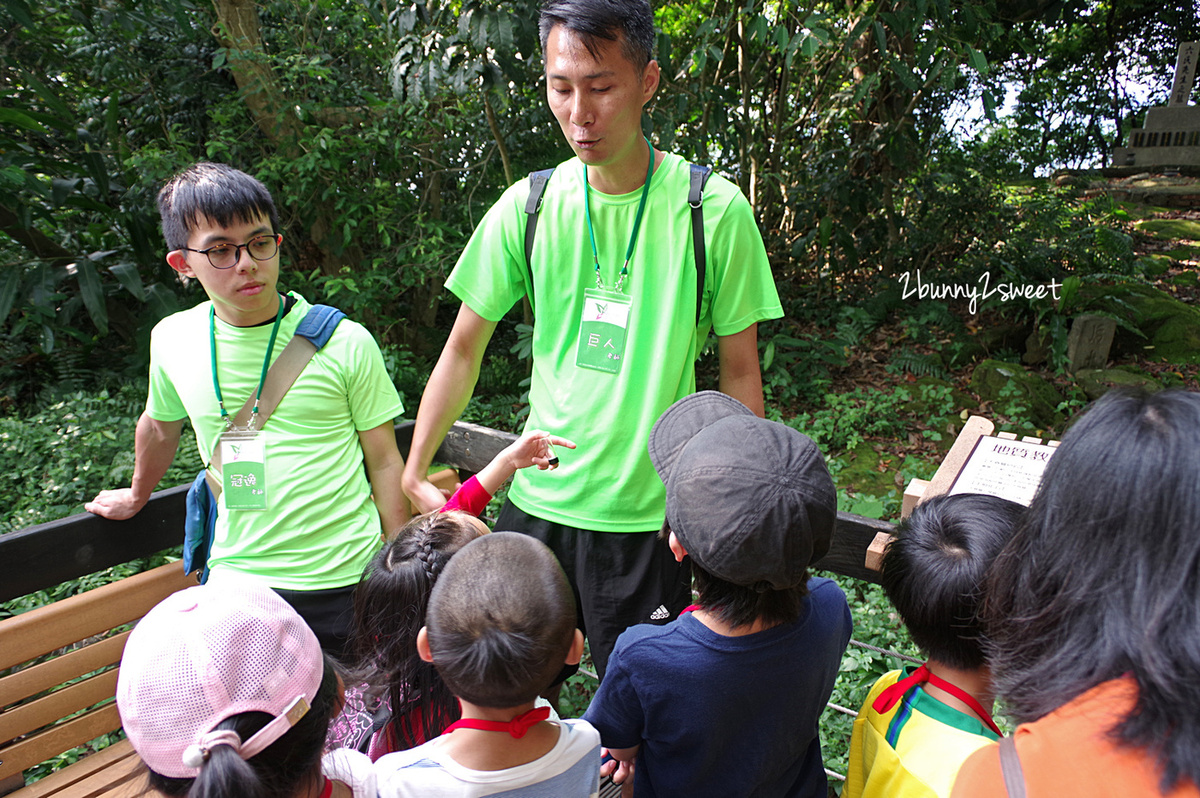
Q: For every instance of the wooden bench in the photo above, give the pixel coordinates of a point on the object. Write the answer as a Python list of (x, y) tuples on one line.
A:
[(39, 722), (48, 706)]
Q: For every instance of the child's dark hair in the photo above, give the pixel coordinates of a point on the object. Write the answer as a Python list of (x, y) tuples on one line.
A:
[(629, 21), (1101, 580), (934, 570), (739, 605), (389, 609), (501, 620), (212, 191), (280, 770)]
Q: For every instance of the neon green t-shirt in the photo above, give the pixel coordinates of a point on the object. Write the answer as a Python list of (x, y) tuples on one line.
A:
[(320, 527), (914, 749), (608, 484)]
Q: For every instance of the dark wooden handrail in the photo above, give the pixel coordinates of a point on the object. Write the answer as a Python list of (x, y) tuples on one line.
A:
[(40, 557)]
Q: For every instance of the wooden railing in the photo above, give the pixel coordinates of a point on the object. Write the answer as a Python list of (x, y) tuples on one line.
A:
[(40, 557)]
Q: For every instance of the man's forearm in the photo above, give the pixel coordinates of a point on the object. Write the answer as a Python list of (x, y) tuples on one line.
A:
[(741, 376), (385, 469), (446, 395), (154, 447)]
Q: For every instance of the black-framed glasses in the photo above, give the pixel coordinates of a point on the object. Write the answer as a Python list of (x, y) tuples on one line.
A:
[(224, 256)]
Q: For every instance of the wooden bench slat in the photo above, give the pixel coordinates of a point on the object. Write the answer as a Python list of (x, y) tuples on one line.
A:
[(70, 620), (53, 741), (30, 717), (117, 766), (52, 673)]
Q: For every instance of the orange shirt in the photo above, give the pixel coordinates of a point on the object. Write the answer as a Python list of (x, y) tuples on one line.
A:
[(1068, 753)]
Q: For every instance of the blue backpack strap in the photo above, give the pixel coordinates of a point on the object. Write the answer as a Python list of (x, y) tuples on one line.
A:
[(533, 206), (699, 177), (319, 323)]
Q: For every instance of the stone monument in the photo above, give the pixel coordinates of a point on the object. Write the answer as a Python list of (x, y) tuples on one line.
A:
[(1171, 135)]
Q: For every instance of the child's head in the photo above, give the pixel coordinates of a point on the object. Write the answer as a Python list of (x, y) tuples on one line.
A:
[(389, 610), (501, 621), (212, 193), (750, 501), (934, 570), (223, 691)]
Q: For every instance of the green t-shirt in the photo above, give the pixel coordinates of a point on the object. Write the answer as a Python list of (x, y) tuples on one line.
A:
[(608, 484), (321, 526)]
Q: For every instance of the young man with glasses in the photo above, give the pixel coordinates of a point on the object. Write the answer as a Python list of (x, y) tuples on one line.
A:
[(319, 518), (613, 279)]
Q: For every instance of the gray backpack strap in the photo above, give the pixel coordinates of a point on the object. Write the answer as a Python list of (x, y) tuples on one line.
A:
[(1010, 768), (699, 176), (533, 206)]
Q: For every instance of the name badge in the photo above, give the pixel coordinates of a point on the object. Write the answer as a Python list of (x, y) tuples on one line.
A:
[(602, 330), (243, 469)]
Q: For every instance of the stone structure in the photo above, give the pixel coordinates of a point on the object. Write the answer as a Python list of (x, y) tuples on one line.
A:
[(1171, 134)]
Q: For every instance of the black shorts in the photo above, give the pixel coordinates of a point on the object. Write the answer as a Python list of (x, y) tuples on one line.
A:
[(619, 578), (329, 613)]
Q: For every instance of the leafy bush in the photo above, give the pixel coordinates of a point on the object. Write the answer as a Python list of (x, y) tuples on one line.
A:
[(55, 459)]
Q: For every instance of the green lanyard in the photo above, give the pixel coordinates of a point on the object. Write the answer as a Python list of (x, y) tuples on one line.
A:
[(637, 222), (212, 337)]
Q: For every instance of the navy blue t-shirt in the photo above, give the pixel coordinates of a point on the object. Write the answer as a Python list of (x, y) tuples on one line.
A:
[(725, 716)]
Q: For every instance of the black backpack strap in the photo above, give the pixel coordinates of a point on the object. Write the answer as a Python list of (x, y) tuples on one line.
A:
[(533, 206), (699, 176)]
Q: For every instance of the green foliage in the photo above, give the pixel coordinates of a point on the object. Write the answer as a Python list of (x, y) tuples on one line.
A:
[(848, 419), (54, 460), (797, 368), (919, 364), (1080, 83)]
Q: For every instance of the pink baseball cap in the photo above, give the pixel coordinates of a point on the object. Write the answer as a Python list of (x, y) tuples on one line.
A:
[(206, 654)]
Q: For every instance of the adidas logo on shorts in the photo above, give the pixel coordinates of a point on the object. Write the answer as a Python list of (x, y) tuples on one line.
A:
[(660, 613)]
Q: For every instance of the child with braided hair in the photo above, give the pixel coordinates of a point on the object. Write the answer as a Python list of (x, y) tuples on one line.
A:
[(400, 701)]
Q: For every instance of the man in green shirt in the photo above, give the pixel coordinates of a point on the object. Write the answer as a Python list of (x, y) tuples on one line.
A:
[(323, 513), (612, 279)]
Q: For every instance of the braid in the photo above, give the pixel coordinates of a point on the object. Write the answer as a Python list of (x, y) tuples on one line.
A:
[(432, 560)]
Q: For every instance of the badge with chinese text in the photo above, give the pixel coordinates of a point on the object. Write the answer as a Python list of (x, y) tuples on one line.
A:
[(602, 330), (243, 469)]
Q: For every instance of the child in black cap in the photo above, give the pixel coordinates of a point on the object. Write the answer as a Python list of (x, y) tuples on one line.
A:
[(724, 701)]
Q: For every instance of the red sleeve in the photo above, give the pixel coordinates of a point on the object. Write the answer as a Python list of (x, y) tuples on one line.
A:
[(469, 498)]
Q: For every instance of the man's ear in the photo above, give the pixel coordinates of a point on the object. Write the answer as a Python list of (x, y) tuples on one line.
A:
[(177, 260), (576, 651), (423, 646), (676, 548), (651, 76)]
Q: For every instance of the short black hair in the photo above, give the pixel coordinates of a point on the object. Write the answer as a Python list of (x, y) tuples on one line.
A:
[(628, 21), (741, 605), (212, 191), (501, 620), (934, 570)]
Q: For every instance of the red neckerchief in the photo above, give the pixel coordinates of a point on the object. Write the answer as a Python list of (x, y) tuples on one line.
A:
[(691, 608), (517, 727), (889, 697), (327, 790)]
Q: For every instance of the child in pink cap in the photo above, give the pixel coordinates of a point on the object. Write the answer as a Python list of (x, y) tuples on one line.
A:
[(224, 691)]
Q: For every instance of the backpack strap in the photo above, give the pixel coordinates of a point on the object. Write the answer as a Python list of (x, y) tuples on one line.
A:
[(1010, 768), (533, 206), (319, 323), (699, 177)]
